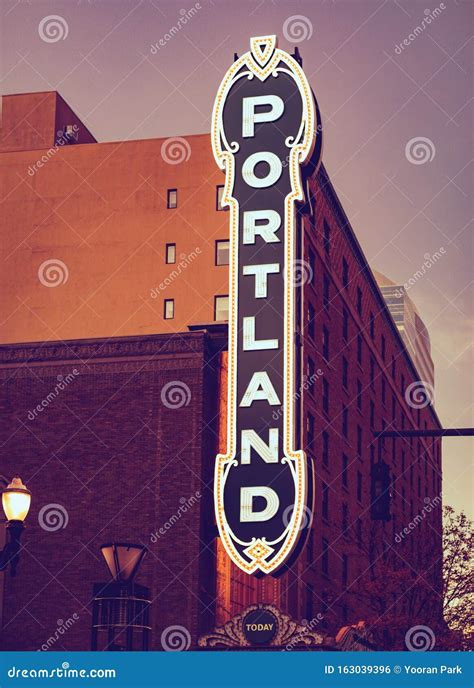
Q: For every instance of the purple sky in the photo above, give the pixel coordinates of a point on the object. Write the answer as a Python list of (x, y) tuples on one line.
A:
[(374, 99)]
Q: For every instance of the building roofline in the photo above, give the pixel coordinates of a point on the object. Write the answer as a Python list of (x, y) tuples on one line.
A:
[(345, 225)]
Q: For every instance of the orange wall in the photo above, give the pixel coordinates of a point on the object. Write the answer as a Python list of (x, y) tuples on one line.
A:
[(101, 210)]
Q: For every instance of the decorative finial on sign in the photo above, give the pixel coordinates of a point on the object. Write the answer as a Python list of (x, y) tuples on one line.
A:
[(297, 57), (236, 57)]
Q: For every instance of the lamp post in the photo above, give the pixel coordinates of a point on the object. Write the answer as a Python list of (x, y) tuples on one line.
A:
[(121, 608), (16, 500)]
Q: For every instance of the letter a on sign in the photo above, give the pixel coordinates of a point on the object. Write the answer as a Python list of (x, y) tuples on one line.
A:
[(265, 137)]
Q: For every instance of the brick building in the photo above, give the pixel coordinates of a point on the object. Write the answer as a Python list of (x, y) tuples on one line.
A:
[(132, 238)]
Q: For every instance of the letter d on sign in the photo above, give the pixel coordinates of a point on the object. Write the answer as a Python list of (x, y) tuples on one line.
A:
[(247, 495)]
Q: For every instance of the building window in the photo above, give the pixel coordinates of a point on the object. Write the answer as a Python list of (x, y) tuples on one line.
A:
[(325, 502), (219, 196), (311, 317), (325, 343), (383, 347), (345, 421), (372, 415), (372, 326), (359, 395), (384, 392), (326, 237), (222, 252), (345, 370), (311, 374), (312, 264), (359, 441), (325, 396), (325, 449), (402, 384), (359, 486), (372, 372), (221, 308), (325, 557), (170, 253), (394, 408), (359, 532), (172, 198), (403, 462), (393, 367), (310, 429), (359, 300), (359, 349), (345, 571), (326, 292), (345, 273), (345, 519), (345, 325), (168, 313), (345, 463)]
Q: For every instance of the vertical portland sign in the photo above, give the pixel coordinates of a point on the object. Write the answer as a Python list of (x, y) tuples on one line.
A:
[(263, 134)]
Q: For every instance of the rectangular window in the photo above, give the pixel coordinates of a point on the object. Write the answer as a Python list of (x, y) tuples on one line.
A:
[(345, 463), (170, 253), (372, 326), (325, 395), (359, 441), (372, 415), (393, 367), (384, 393), (402, 384), (325, 343), (325, 502), (312, 264), (325, 557), (311, 318), (326, 237), (168, 313), (345, 371), (359, 395), (383, 347), (219, 196), (345, 519), (345, 421), (359, 349), (359, 300), (221, 308), (345, 570), (345, 273), (325, 449), (172, 198), (394, 408), (326, 292), (222, 252), (310, 429), (311, 374), (359, 486), (372, 372), (345, 325)]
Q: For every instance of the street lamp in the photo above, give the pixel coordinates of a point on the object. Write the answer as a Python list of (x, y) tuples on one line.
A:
[(16, 500), (123, 560)]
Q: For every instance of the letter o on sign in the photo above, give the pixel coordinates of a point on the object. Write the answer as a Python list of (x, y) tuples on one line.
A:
[(274, 172)]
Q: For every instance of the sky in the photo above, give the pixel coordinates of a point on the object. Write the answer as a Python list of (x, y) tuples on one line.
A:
[(393, 79)]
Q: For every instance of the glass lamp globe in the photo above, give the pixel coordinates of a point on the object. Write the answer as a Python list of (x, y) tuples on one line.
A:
[(16, 500)]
